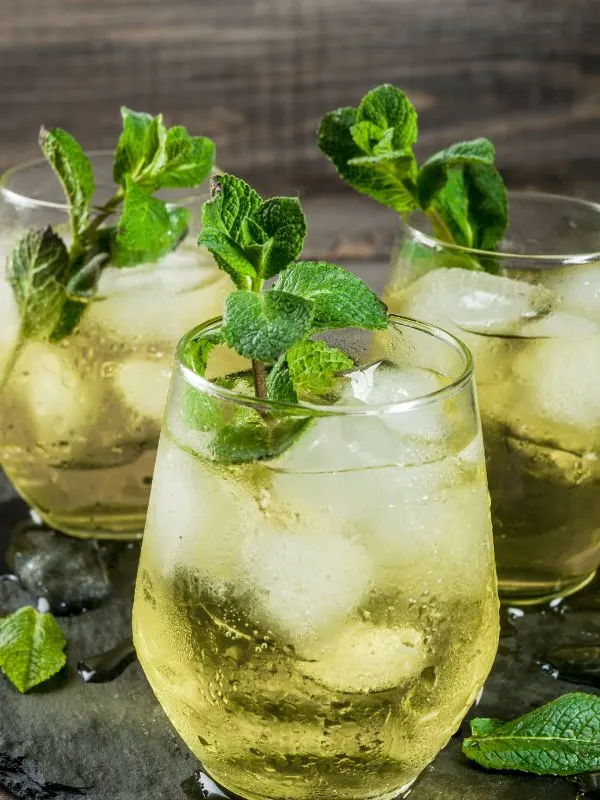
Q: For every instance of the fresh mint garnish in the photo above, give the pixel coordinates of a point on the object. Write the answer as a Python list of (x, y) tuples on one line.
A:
[(31, 647), (459, 188), (560, 738), (53, 281), (253, 240)]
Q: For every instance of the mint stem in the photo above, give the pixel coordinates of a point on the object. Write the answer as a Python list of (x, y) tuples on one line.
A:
[(104, 212), (260, 379), (441, 229)]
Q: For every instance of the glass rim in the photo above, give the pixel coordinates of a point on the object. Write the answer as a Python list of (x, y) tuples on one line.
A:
[(456, 385), (25, 201), (563, 259)]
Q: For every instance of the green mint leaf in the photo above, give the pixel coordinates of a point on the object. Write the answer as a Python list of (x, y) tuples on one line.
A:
[(74, 171), (238, 444), (148, 229), (313, 366), (232, 202), (189, 160), (434, 172), (284, 224), (31, 647), (229, 257), (262, 326), (198, 351), (132, 151), (38, 268), (371, 146), (560, 738), (388, 108), (82, 284), (341, 299), (70, 317), (488, 205), (279, 383), (484, 726)]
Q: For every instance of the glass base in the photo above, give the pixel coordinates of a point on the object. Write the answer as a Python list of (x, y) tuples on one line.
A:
[(116, 525), (213, 790), (536, 592)]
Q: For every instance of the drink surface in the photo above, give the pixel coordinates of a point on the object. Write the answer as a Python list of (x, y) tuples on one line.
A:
[(318, 624), (536, 348), (80, 419)]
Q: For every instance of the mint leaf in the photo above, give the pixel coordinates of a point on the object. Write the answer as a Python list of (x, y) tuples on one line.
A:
[(133, 145), (74, 171), (31, 647), (229, 257), (560, 738), (198, 351), (434, 172), (189, 160), (341, 299), (371, 146), (284, 226), (148, 229), (37, 271), (313, 366), (279, 383), (232, 201), (70, 317), (388, 108), (238, 444), (262, 326)]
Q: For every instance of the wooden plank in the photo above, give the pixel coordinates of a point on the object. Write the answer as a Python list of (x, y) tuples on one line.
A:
[(258, 74)]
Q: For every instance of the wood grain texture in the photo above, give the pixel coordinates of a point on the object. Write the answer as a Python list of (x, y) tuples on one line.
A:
[(258, 74)]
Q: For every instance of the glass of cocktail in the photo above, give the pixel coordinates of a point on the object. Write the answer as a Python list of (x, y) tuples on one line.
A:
[(316, 620), (532, 322), (80, 417)]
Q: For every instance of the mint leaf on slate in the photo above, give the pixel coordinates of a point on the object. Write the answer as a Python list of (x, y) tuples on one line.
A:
[(560, 738), (371, 146), (341, 299), (262, 326), (433, 174), (37, 271), (74, 170), (148, 229), (31, 647), (280, 387), (313, 366)]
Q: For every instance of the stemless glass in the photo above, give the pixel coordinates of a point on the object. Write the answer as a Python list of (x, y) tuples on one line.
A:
[(534, 331), (80, 418), (316, 623)]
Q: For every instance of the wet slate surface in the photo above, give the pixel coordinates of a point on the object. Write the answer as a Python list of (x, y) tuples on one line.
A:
[(114, 739)]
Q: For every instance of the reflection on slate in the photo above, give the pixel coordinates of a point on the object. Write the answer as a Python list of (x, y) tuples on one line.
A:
[(109, 665), (589, 785), (69, 573), (200, 786), (577, 663), (24, 780)]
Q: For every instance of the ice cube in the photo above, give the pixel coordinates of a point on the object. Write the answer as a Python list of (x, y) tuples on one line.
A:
[(160, 302), (560, 324), (476, 307), (9, 321), (305, 583), (61, 404), (365, 658), (579, 290), (474, 301), (144, 386), (557, 392), (198, 518)]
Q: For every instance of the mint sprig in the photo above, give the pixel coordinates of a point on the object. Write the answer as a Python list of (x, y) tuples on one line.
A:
[(53, 281), (253, 240), (560, 738), (459, 188), (31, 647)]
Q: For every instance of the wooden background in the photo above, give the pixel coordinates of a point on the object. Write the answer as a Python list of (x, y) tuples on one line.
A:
[(258, 74)]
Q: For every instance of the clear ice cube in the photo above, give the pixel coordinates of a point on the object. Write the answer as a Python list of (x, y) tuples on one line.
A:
[(143, 385)]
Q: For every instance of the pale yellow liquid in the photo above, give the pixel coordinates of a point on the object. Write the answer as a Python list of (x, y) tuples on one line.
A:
[(316, 634), (540, 412), (80, 420)]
